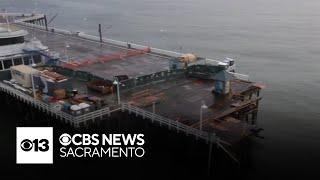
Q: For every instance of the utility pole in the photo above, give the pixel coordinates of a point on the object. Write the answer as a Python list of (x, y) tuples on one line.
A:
[(203, 106), (117, 83), (100, 33)]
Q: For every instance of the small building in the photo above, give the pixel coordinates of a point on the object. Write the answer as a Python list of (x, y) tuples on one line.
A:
[(222, 82), (22, 74), (51, 83), (204, 71), (12, 49)]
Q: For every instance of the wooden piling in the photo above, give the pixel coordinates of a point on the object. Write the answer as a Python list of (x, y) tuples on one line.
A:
[(46, 22), (100, 33)]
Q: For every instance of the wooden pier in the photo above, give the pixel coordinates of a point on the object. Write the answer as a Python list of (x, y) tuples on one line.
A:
[(225, 123)]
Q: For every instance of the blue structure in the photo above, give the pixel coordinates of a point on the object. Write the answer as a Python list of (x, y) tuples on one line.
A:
[(48, 59), (222, 82)]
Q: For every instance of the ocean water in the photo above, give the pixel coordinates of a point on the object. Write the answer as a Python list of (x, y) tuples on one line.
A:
[(276, 42)]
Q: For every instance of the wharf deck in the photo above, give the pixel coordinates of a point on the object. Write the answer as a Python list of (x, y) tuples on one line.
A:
[(73, 48), (170, 98), (180, 100), (176, 100)]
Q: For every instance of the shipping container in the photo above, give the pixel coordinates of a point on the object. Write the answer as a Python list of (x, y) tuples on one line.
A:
[(22, 74)]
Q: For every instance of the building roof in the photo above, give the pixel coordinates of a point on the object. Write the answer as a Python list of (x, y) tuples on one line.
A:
[(24, 69), (14, 49), (224, 76), (56, 77), (8, 31)]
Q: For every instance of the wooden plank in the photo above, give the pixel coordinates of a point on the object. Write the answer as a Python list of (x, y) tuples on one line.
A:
[(227, 112)]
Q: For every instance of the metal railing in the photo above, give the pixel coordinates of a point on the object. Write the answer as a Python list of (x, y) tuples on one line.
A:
[(154, 51), (29, 18), (178, 126), (74, 120), (152, 78), (241, 76)]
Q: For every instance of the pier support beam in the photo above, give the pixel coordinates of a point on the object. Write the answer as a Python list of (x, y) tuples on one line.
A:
[(210, 158), (46, 22)]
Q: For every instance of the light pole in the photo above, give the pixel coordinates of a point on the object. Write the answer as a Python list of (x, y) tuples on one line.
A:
[(66, 50), (33, 86), (212, 137), (116, 82), (203, 106), (32, 82)]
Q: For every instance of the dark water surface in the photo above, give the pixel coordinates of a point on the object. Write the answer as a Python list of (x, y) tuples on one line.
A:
[(276, 42)]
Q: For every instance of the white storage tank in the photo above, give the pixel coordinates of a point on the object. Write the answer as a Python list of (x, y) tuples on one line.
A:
[(85, 107), (75, 110)]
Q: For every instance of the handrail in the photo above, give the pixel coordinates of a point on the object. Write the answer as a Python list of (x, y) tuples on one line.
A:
[(208, 137), (41, 105), (75, 120), (169, 122), (106, 40)]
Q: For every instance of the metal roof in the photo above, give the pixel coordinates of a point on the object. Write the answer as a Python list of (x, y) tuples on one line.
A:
[(8, 31), (24, 69), (10, 50)]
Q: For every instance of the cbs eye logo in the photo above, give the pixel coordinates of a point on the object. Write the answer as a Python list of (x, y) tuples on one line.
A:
[(65, 139), (37, 145), (34, 145)]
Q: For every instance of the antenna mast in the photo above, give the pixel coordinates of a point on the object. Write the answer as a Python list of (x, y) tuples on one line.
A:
[(5, 16), (35, 5)]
